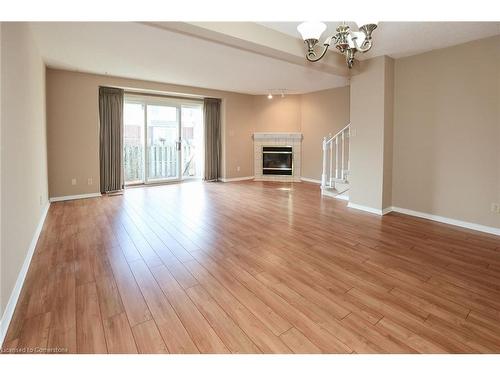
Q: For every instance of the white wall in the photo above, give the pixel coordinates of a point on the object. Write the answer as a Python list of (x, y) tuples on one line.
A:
[(24, 193)]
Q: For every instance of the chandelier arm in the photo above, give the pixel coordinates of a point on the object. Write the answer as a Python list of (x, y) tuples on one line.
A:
[(329, 40), (326, 45), (346, 41), (367, 42), (365, 49), (314, 59)]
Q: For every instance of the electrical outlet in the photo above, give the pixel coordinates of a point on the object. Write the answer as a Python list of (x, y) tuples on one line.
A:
[(238, 168), (495, 208), (89, 181), (40, 199), (73, 181)]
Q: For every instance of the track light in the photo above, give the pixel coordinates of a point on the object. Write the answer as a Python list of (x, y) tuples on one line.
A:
[(280, 92)]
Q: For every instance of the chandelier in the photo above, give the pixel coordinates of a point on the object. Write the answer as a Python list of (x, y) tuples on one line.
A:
[(347, 41)]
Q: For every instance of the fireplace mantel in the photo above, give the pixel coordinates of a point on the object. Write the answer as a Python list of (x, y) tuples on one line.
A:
[(291, 139), (276, 135)]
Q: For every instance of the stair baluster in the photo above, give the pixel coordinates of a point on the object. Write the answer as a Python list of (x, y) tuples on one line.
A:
[(336, 158)]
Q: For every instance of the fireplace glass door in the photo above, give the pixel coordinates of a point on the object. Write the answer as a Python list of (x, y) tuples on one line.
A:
[(277, 160)]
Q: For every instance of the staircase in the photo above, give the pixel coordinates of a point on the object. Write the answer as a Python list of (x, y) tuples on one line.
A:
[(335, 176)]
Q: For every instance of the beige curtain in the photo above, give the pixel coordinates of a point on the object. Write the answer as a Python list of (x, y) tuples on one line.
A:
[(212, 119), (111, 138)]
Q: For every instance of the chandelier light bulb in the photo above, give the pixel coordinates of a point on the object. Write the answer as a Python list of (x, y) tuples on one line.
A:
[(270, 96), (311, 30)]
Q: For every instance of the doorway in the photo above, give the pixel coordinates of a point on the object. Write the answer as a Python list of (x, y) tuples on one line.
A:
[(162, 139)]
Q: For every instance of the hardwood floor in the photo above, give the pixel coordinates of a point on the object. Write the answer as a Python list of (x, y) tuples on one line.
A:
[(254, 268)]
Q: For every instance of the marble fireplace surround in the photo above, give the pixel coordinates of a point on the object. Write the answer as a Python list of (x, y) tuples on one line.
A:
[(262, 139)]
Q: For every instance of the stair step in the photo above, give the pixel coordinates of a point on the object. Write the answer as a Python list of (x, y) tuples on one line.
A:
[(334, 193), (342, 180)]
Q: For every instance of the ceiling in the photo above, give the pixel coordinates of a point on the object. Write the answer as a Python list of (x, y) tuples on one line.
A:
[(400, 39), (141, 51)]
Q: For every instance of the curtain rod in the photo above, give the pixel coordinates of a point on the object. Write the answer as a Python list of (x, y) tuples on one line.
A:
[(145, 93), (155, 93)]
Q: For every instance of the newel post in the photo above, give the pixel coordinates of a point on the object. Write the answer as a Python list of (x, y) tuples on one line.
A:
[(323, 174)]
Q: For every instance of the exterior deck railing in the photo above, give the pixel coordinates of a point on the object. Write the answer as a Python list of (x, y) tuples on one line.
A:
[(162, 161)]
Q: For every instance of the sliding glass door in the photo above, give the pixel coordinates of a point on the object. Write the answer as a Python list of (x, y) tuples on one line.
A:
[(192, 140), (163, 140), (133, 143), (163, 151)]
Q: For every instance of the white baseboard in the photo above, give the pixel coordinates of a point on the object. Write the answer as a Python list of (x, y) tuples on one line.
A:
[(365, 208), (72, 197), (342, 197), (14, 295), (236, 179), (387, 210), (370, 209), (447, 220), (312, 180)]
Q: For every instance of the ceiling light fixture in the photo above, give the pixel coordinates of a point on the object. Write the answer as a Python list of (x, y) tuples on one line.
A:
[(280, 92), (346, 41)]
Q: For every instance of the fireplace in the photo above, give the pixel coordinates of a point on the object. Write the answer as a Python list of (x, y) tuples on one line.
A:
[(277, 160), (277, 156)]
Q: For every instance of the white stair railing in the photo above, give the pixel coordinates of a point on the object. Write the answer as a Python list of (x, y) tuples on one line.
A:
[(336, 158)]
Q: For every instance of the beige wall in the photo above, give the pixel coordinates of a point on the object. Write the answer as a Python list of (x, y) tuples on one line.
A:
[(73, 128), (1, 131), (370, 92), (413, 145), (322, 113), (315, 114), (388, 132), (277, 114), (238, 130), (447, 132), (23, 149), (73, 125)]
